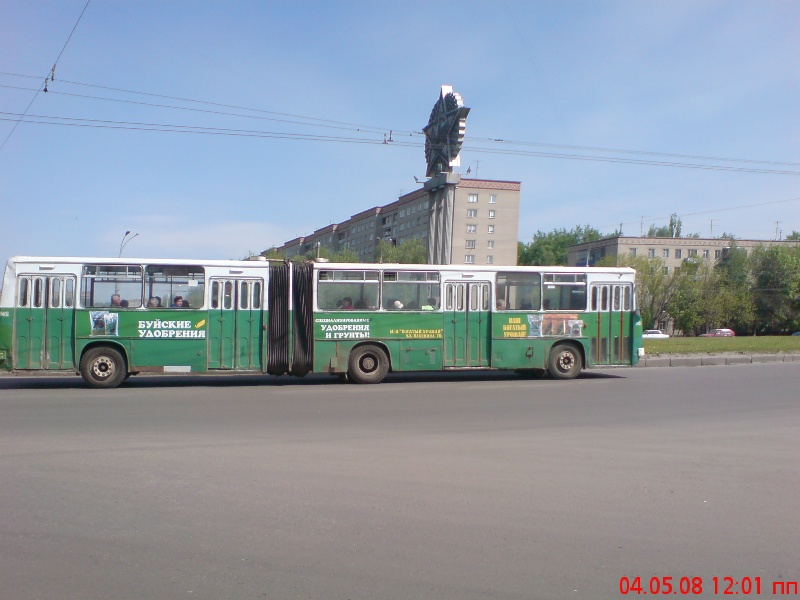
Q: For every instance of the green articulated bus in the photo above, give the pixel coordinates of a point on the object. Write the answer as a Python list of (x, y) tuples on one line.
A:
[(109, 318)]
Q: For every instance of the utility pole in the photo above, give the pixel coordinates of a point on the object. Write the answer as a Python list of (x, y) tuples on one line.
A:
[(712, 228)]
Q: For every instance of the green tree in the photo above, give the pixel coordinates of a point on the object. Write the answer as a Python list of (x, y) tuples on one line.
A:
[(687, 302), (795, 235), (409, 252), (776, 278), (654, 288), (273, 253), (551, 248), (342, 256), (673, 230)]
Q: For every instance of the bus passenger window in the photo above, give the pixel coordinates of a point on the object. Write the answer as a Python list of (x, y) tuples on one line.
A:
[(257, 295), (215, 294), (24, 288), (69, 293)]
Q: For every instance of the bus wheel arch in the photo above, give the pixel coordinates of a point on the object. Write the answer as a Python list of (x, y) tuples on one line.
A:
[(565, 361), (103, 366), (368, 363)]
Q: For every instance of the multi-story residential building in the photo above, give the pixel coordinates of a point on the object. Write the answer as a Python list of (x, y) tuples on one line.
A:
[(672, 251), (481, 229)]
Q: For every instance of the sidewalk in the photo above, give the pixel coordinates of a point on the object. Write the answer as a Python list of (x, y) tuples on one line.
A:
[(704, 360)]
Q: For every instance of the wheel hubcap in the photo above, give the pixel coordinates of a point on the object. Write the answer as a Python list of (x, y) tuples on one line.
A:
[(565, 361), (368, 364), (103, 368)]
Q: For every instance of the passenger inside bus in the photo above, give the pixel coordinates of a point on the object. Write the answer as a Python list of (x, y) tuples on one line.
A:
[(347, 303), (116, 301)]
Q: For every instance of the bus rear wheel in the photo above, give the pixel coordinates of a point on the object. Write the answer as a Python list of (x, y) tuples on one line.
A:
[(564, 362), (103, 367), (367, 364)]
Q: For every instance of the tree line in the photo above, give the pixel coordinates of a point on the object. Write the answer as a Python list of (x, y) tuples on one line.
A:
[(756, 293)]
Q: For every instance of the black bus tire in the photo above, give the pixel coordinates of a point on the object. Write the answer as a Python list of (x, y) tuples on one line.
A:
[(367, 364), (564, 362), (103, 367)]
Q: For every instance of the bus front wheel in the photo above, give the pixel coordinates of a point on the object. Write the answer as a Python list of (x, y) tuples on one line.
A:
[(368, 364), (565, 362), (103, 367)]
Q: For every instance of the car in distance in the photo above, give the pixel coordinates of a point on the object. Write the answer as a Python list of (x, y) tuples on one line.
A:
[(654, 334), (719, 333)]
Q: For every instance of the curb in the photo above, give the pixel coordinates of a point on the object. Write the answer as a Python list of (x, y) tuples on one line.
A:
[(711, 360)]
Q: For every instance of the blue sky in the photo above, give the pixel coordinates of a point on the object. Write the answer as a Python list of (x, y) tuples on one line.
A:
[(687, 79)]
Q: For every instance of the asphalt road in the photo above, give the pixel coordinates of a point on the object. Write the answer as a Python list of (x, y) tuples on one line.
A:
[(447, 486)]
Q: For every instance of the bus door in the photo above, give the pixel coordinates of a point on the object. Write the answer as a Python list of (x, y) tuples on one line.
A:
[(612, 304), (44, 322), (235, 324), (466, 324)]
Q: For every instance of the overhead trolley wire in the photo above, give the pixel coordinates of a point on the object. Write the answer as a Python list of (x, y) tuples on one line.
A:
[(43, 87)]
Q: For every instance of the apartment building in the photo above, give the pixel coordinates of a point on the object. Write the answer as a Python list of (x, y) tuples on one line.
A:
[(482, 227), (672, 251)]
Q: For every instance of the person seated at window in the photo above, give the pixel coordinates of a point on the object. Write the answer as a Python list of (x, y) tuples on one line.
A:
[(177, 302), (185, 304), (430, 304), (412, 305), (360, 304), (500, 304), (116, 301), (347, 303), (153, 302), (123, 304)]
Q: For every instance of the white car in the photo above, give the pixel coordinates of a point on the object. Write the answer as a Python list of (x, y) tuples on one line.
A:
[(654, 334)]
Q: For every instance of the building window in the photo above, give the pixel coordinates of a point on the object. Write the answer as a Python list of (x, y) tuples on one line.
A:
[(490, 259), (491, 228), (472, 213), (493, 199), (469, 259), (678, 253), (490, 244), (717, 254), (491, 214), (666, 270), (632, 252), (692, 252), (706, 253), (472, 228), (472, 198), (470, 244), (651, 253), (665, 253)]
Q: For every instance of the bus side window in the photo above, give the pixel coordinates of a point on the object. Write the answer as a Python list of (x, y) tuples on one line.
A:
[(227, 299), (23, 299), (215, 294), (244, 296), (55, 292), (38, 293), (257, 295), (593, 305), (473, 297), (69, 293)]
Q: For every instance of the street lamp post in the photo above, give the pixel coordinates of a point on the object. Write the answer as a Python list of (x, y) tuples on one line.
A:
[(125, 242)]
